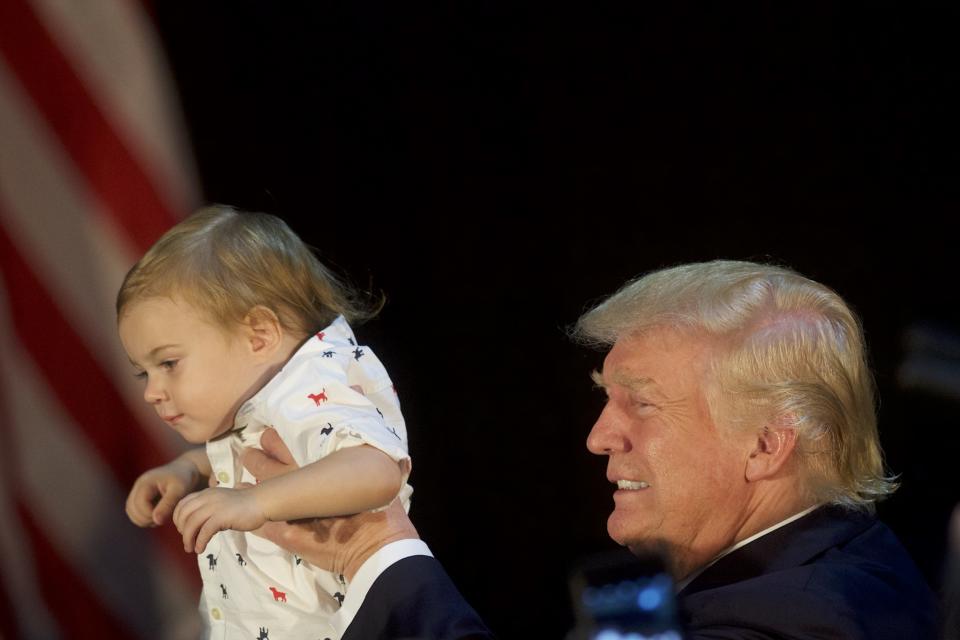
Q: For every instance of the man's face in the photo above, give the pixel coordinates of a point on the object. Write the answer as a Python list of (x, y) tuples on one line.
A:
[(196, 374), (680, 478)]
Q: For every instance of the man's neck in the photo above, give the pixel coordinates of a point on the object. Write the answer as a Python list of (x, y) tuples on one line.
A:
[(770, 507), (681, 584)]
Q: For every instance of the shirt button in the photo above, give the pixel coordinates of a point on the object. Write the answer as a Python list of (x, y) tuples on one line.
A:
[(215, 613), (223, 477)]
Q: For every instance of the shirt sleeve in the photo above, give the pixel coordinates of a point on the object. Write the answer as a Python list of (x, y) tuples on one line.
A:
[(316, 411)]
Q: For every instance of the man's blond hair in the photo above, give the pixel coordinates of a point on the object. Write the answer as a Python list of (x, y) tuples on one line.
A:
[(791, 351)]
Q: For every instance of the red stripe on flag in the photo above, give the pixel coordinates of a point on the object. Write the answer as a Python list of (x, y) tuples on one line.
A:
[(75, 607), (100, 154)]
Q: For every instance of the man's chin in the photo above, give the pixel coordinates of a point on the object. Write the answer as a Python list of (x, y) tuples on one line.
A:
[(640, 544), (624, 530)]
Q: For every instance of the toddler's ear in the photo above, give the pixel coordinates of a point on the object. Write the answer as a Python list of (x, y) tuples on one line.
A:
[(263, 329)]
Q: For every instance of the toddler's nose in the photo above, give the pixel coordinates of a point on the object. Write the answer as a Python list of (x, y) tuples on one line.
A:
[(153, 393)]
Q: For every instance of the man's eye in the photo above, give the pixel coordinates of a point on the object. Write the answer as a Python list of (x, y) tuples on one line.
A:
[(641, 405)]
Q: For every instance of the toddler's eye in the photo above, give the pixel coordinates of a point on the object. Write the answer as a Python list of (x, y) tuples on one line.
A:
[(140, 375), (169, 365)]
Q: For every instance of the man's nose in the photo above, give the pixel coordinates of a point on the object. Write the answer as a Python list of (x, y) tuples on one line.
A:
[(154, 393), (605, 438)]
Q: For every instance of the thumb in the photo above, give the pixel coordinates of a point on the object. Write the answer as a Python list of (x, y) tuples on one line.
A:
[(273, 446), (262, 466)]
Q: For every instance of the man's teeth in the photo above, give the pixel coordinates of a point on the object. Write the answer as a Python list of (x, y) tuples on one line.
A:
[(631, 484)]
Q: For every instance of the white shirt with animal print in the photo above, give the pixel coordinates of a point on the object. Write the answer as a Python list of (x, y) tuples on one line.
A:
[(332, 394)]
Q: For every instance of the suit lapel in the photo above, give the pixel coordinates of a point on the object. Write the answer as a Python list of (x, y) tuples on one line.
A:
[(791, 545)]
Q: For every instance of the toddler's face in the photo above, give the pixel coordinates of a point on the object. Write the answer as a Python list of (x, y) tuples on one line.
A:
[(196, 374)]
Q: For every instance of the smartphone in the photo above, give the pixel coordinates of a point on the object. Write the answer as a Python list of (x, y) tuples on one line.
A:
[(618, 596)]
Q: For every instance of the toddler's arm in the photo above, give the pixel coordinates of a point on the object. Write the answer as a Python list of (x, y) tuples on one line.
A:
[(339, 545), (157, 491), (347, 481)]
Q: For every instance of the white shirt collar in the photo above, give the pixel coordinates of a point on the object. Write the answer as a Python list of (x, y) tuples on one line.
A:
[(337, 334), (683, 583), (369, 571)]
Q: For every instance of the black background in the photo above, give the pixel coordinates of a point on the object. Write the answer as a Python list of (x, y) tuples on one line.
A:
[(495, 166)]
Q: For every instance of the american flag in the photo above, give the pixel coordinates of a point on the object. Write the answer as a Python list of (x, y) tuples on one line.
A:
[(93, 168)]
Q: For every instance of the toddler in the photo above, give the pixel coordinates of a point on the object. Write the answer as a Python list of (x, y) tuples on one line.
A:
[(235, 327)]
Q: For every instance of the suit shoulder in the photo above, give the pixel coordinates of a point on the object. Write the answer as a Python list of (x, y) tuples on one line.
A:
[(853, 597)]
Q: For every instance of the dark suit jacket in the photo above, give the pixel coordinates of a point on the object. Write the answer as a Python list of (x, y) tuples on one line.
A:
[(831, 574), (415, 599)]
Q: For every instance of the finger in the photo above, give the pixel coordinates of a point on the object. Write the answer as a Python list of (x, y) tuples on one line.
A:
[(138, 517), (138, 507), (191, 527), (210, 527), (187, 534), (139, 501), (165, 507), (184, 508), (177, 519), (273, 446)]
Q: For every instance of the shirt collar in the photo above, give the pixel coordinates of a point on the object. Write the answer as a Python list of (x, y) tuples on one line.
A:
[(337, 334), (369, 571), (683, 583)]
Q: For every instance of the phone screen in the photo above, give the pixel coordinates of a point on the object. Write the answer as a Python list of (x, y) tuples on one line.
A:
[(618, 596)]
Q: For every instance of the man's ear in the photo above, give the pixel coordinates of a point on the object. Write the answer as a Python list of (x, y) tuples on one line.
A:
[(263, 330), (773, 447)]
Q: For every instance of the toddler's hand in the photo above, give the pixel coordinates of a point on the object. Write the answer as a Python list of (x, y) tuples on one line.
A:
[(157, 491), (200, 515)]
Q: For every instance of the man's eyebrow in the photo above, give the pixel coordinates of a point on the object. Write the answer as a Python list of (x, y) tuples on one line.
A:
[(624, 379)]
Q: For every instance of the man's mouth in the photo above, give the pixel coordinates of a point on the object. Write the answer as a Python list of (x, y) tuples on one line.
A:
[(632, 485)]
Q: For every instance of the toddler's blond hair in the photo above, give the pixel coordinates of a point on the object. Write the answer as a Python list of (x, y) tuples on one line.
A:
[(225, 263)]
